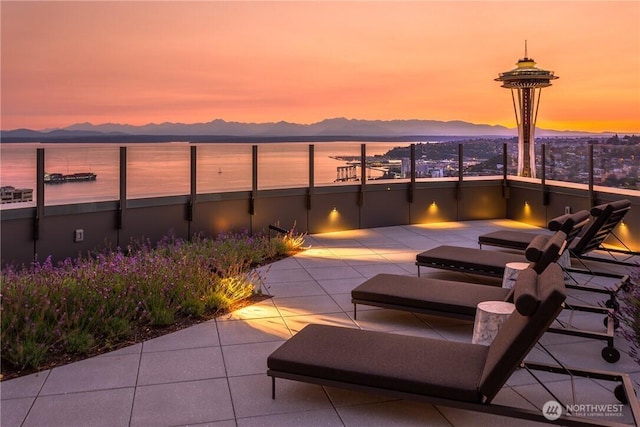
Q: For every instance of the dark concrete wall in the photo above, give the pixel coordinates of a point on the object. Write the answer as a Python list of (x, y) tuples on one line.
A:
[(332, 208)]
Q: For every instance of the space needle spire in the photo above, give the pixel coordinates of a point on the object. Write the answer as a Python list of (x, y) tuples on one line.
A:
[(526, 82)]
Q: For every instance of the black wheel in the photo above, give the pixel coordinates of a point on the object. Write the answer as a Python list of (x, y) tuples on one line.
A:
[(610, 354), (612, 303), (619, 393)]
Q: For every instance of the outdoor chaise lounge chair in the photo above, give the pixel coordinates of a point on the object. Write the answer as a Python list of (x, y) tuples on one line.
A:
[(456, 374), (493, 263), (459, 299), (606, 218)]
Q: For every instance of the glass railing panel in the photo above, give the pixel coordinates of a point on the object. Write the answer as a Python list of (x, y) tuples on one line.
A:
[(155, 170), (78, 173), (482, 158), (388, 162), (568, 160), (223, 168), (616, 165), (437, 159), (336, 163), (283, 165), (18, 175), (512, 157)]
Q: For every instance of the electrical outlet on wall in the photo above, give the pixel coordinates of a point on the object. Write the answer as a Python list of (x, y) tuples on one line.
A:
[(78, 235), (567, 209)]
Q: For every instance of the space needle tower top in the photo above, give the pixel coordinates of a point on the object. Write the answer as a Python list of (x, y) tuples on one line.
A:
[(526, 82)]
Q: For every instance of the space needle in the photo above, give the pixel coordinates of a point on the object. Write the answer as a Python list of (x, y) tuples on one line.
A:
[(526, 82)]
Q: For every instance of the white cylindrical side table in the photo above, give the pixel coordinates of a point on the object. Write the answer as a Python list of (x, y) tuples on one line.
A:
[(490, 315), (511, 271)]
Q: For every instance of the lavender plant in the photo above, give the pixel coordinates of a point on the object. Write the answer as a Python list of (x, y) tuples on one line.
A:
[(629, 313), (95, 302)]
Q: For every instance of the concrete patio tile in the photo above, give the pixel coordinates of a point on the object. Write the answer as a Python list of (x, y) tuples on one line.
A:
[(260, 310), (289, 275), (226, 423), (296, 306), (344, 301), (182, 403), (98, 373), (251, 396), (283, 264), (317, 418), (201, 335), (340, 286), (507, 397), (253, 330), (459, 333), (14, 411), (400, 256), (108, 408), (388, 320), (323, 273), (130, 349), (307, 261), (248, 359), (369, 271), (27, 386), (385, 245), (296, 323), (368, 259), (343, 397), (587, 392), (294, 289), (181, 365), (588, 353), (392, 413)]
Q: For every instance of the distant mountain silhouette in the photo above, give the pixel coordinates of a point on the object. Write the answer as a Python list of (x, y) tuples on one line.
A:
[(336, 127)]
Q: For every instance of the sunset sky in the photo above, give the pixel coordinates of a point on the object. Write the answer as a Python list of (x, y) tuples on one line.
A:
[(156, 61)]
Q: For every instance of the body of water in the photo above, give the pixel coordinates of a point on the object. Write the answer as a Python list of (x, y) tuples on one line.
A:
[(163, 169)]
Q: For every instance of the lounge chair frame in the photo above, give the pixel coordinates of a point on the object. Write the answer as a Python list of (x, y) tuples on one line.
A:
[(626, 386)]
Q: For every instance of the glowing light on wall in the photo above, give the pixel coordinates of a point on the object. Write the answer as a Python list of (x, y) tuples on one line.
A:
[(433, 208), (334, 215), (527, 209)]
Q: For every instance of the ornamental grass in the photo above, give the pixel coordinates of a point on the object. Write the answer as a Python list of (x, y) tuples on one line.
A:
[(83, 306)]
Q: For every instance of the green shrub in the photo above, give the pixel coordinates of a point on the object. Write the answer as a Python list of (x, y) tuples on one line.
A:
[(79, 341), (193, 308)]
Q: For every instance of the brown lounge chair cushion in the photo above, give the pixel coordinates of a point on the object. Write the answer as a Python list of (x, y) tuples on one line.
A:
[(472, 260), (426, 295), (542, 251), (386, 361), (525, 292), (570, 224)]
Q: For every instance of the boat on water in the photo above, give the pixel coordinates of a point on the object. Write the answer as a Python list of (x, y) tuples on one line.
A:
[(10, 194), (58, 178)]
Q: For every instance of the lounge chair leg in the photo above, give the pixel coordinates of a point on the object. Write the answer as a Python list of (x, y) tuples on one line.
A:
[(273, 388), (355, 315)]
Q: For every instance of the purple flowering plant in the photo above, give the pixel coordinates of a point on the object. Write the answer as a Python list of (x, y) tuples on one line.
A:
[(629, 313), (98, 301)]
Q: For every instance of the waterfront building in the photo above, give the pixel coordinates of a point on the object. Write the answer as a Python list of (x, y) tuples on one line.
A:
[(526, 82)]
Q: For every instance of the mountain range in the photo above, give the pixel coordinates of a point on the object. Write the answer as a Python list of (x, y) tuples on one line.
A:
[(324, 130)]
